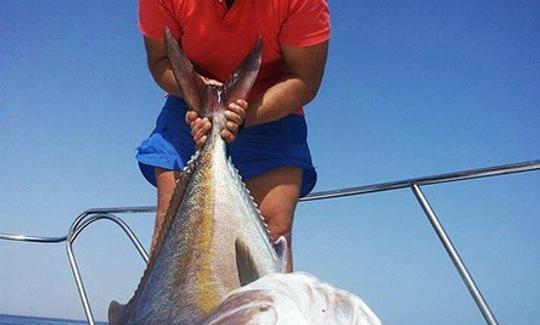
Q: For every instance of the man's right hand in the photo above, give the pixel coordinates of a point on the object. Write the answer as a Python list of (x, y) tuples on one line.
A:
[(199, 128)]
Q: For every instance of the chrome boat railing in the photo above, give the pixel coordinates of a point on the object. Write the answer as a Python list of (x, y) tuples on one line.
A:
[(90, 216)]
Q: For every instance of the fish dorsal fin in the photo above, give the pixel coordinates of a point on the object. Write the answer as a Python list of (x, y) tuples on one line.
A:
[(247, 198), (247, 270), (281, 246), (176, 199), (242, 79), (123, 312), (191, 83), (118, 313)]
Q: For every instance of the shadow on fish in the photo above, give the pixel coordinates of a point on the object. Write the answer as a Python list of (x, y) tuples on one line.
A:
[(213, 239)]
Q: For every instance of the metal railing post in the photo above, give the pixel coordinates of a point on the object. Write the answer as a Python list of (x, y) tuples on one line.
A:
[(83, 221), (454, 256)]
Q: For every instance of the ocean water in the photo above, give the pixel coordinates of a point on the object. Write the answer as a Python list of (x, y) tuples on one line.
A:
[(27, 320)]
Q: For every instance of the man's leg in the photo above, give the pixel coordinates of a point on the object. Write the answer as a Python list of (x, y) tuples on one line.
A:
[(166, 181), (276, 193)]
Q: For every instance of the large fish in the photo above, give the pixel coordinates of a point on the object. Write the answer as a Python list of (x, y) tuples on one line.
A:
[(213, 239)]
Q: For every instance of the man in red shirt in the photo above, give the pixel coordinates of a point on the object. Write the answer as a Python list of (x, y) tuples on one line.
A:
[(270, 152)]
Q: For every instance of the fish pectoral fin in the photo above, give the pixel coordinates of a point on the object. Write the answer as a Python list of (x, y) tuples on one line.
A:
[(281, 246), (247, 270), (118, 313)]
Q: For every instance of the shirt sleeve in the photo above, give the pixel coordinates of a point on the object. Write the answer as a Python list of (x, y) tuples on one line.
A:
[(154, 16), (307, 23)]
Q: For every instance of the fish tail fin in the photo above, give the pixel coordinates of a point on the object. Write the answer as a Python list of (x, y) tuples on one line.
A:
[(189, 80), (242, 79), (118, 313), (281, 246), (247, 270), (194, 88)]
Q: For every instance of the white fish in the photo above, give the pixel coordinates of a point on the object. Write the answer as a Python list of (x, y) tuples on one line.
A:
[(292, 298)]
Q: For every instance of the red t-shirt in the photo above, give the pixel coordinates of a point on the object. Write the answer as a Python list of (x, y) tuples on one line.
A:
[(216, 39)]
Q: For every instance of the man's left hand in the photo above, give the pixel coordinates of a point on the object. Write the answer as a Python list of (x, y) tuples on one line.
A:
[(235, 114)]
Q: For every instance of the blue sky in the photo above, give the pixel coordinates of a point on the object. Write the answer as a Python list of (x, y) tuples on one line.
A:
[(411, 88)]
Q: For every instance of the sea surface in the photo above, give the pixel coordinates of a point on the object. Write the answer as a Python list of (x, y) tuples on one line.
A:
[(27, 320)]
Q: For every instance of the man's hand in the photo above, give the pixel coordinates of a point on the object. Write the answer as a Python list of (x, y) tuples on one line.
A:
[(235, 114), (200, 126)]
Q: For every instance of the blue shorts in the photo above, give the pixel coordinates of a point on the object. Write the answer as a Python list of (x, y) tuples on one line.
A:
[(256, 150)]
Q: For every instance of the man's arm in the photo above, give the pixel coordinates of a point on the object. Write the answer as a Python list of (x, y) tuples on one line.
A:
[(299, 87), (160, 66)]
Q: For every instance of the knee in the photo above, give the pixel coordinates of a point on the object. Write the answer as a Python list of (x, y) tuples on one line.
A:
[(162, 208), (279, 224)]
